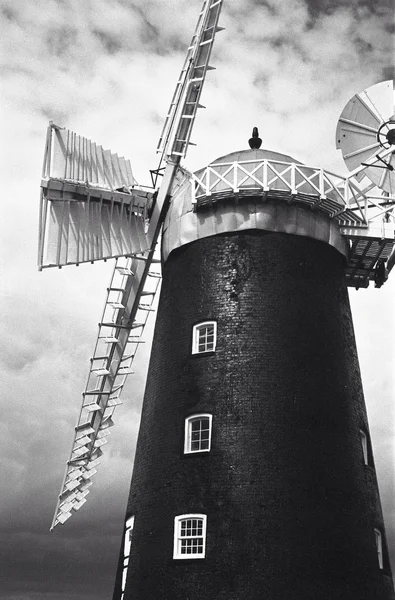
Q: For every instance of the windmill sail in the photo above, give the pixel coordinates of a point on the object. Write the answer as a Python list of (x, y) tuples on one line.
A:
[(90, 208), (130, 295), (120, 335), (175, 140)]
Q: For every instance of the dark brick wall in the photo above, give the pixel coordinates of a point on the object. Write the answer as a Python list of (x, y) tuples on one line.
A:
[(291, 508)]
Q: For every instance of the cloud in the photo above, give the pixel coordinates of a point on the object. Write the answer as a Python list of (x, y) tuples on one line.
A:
[(107, 70)]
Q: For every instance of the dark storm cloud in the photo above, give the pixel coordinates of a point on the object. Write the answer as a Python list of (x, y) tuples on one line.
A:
[(27, 354), (60, 40), (319, 7), (77, 561), (147, 34), (8, 12), (270, 6), (43, 336), (111, 43), (150, 31), (91, 558), (51, 113), (388, 72), (18, 354)]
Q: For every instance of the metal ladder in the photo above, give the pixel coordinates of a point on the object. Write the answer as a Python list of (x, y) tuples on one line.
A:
[(185, 101), (121, 330)]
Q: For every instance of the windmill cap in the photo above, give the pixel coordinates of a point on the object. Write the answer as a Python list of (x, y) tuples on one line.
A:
[(213, 189), (255, 154)]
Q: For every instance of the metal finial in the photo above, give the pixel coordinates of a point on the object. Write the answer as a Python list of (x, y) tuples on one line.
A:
[(255, 141)]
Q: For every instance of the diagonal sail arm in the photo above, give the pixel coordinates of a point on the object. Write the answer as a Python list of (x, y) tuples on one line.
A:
[(129, 302), (177, 129), (129, 298)]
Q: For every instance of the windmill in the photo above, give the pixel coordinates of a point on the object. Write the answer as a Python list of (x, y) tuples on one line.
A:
[(253, 203)]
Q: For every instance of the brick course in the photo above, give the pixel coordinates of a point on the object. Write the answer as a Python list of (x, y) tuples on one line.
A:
[(291, 508)]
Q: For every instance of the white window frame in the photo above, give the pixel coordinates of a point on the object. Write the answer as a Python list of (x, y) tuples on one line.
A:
[(364, 443), (379, 547), (126, 550), (188, 432), (195, 337), (178, 537)]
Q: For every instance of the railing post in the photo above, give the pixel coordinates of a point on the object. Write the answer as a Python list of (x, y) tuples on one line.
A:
[(322, 185), (346, 192), (293, 179), (235, 187), (265, 185), (208, 178), (193, 190)]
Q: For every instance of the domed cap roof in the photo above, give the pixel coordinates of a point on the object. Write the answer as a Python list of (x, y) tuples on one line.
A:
[(255, 154), (250, 161)]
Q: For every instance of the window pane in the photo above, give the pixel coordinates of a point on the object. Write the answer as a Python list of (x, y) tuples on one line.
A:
[(198, 433), (189, 539), (205, 338)]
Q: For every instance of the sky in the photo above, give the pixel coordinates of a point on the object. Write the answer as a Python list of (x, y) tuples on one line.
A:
[(107, 69)]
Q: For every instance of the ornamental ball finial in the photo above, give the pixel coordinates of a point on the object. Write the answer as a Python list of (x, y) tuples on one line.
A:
[(255, 141)]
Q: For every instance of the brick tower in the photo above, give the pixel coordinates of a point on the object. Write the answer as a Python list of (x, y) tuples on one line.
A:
[(254, 476)]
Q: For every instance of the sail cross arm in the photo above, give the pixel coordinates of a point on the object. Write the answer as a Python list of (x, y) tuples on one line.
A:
[(90, 207)]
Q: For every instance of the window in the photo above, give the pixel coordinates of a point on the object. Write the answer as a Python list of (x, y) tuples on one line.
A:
[(204, 338), (198, 433), (379, 546), (126, 550), (364, 443), (189, 536)]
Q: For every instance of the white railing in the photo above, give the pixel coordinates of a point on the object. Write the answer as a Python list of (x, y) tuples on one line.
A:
[(339, 196)]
